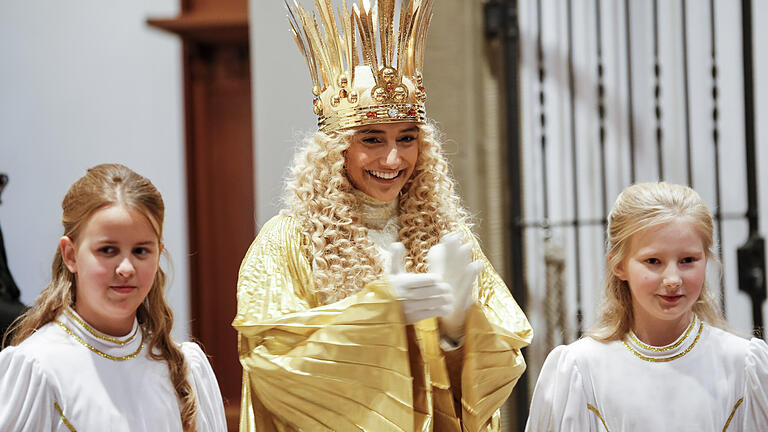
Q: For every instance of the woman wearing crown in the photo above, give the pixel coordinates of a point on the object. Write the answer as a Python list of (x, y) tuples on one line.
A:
[(367, 303)]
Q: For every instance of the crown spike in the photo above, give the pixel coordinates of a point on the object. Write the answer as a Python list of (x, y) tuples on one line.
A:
[(321, 50), (332, 38), (386, 14), (353, 59), (367, 37), (348, 26), (297, 37), (405, 29), (410, 61), (426, 18)]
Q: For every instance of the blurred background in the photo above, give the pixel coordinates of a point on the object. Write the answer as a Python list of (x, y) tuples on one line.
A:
[(549, 108)]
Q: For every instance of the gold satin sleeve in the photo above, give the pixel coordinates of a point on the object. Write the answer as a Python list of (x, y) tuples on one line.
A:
[(316, 368), (495, 331)]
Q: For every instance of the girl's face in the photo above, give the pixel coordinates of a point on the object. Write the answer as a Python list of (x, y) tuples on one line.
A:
[(665, 268), (114, 260), (381, 158)]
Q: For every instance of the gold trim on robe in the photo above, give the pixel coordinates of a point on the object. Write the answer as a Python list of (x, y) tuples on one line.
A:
[(355, 365), (64, 418)]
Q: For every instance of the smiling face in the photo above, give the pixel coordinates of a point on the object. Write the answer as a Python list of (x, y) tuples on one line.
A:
[(381, 158), (665, 269), (114, 260)]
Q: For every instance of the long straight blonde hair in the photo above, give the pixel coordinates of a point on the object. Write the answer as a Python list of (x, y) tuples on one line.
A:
[(639, 207), (103, 186)]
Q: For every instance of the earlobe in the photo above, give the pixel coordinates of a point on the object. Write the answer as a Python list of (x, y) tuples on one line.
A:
[(67, 248), (619, 272)]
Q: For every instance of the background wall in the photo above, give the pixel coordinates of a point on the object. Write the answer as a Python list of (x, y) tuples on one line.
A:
[(86, 82), (282, 102)]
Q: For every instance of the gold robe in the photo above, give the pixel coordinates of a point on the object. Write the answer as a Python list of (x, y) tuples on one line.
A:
[(355, 365)]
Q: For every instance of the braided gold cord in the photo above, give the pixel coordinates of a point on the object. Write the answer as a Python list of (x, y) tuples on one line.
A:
[(92, 348), (664, 348), (666, 359), (97, 334)]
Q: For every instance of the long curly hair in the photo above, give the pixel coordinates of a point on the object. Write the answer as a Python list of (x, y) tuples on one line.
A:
[(639, 207), (321, 198), (103, 186)]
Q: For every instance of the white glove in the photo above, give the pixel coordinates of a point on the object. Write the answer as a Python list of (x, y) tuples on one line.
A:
[(421, 295), (452, 259)]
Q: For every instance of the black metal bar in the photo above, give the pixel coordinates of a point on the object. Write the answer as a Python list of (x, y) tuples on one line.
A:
[(657, 89), (574, 173), (686, 99), (751, 255), (716, 143), (3, 182), (542, 109), (601, 117), (511, 42), (749, 116), (631, 105)]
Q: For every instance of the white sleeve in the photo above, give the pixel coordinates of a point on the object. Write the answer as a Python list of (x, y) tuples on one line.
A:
[(210, 407), (756, 391), (559, 401), (26, 394)]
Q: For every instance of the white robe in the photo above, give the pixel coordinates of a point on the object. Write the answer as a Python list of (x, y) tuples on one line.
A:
[(53, 382), (710, 379)]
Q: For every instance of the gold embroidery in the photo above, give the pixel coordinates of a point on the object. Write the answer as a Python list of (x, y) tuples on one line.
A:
[(730, 417), (664, 348), (666, 359), (597, 413), (63, 418), (98, 334), (92, 348)]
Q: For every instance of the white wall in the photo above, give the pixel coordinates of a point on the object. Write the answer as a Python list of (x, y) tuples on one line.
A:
[(282, 102), (86, 82)]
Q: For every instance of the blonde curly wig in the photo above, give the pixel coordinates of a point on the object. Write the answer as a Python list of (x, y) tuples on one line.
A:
[(321, 198), (639, 207)]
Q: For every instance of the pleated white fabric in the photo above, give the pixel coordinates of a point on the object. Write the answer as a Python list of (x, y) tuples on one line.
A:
[(708, 380), (53, 381)]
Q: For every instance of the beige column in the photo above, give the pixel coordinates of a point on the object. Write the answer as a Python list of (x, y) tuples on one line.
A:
[(465, 98), (464, 78)]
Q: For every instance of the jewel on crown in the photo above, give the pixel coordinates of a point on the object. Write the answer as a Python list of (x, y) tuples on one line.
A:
[(364, 70)]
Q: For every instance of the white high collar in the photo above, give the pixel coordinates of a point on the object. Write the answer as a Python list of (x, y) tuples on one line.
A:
[(376, 214)]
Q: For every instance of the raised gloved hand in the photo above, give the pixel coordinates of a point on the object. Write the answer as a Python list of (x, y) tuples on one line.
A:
[(421, 295), (451, 258)]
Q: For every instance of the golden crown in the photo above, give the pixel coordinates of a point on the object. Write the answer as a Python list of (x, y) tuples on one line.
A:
[(379, 82)]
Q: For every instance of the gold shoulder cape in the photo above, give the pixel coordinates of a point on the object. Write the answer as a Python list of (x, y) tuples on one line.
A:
[(355, 365)]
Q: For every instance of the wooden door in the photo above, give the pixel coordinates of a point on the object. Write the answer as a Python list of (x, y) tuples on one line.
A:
[(220, 188)]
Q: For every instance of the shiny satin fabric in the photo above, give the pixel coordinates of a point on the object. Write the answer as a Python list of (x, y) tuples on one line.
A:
[(355, 365)]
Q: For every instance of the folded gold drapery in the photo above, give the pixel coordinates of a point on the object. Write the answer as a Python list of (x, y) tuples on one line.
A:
[(355, 365)]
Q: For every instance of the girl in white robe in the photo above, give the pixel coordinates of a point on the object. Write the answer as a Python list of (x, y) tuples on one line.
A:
[(659, 357), (95, 352)]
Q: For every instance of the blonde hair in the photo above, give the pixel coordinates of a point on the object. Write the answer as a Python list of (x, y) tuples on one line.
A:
[(103, 186), (321, 198), (639, 207)]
